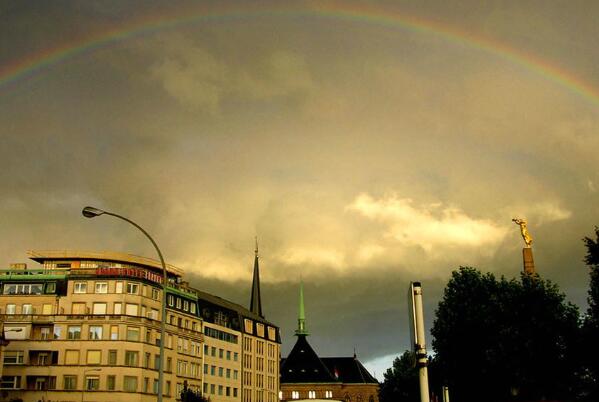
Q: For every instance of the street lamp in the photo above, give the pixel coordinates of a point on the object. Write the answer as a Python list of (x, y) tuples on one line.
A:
[(84, 380), (91, 212)]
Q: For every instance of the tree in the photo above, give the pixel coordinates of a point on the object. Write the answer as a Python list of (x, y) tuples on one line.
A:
[(401, 381), (499, 340), (591, 323)]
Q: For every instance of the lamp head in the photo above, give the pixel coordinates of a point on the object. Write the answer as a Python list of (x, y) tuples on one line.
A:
[(91, 212)]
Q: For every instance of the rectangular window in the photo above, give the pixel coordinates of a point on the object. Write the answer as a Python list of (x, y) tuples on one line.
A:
[(129, 383), (185, 305), (220, 371), (228, 373), (10, 382), (131, 358), (248, 325), (114, 332), (92, 382), (13, 357), (11, 309), (132, 288), (131, 309), (80, 287), (147, 360), (112, 355), (133, 333), (99, 308), (110, 382), (71, 357), (101, 287), (95, 332), (118, 308), (69, 382), (74, 332), (78, 308), (118, 287), (171, 300), (27, 309), (155, 294), (228, 355), (94, 356), (46, 309), (178, 301)]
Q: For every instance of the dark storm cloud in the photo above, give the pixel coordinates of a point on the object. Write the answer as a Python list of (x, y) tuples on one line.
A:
[(363, 156)]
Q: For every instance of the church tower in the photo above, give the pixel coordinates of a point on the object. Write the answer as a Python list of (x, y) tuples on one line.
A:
[(255, 301)]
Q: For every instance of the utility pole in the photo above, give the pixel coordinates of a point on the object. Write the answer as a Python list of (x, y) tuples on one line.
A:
[(417, 337)]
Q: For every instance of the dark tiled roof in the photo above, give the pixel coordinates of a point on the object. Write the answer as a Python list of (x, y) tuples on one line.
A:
[(348, 370), (304, 366)]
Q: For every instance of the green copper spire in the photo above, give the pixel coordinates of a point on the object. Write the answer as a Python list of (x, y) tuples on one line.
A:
[(301, 321)]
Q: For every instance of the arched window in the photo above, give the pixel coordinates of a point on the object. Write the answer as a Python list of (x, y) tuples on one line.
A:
[(311, 394)]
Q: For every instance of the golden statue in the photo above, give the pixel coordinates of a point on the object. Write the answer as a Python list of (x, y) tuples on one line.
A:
[(524, 230)]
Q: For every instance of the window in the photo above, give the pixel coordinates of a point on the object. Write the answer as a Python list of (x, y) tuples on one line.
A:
[(74, 332), (132, 289), (46, 309), (78, 308), (146, 385), (92, 382), (235, 356), (155, 294), (23, 289), (147, 360), (178, 303), (260, 329), (272, 334), (50, 287), (294, 394), (171, 300), (131, 358), (228, 373), (220, 389), (193, 308), (248, 325), (131, 309), (11, 309), (80, 287), (13, 357), (185, 305), (27, 309), (213, 351), (118, 287), (118, 308), (71, 357), (95, 332), (132, 333), (220, 371), (114, 332), (112, 354), (235, 374), (311, 394), (45, 333), (110, 382), (69, 382), (101, 287), (228, 355), (94, 356), (129, 383), (57, 331), (221, 353), (10, 382), (144, 290), (153, 314), (212, 370), (99, 308)]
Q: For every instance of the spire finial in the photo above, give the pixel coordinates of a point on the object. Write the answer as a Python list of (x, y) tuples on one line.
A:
[(301, 320), (256, 249)]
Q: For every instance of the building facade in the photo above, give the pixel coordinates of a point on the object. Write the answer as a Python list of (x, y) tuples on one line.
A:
[(87, 325), (306, 376)]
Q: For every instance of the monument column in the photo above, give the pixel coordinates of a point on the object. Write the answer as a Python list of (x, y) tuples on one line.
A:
[(527, 258)]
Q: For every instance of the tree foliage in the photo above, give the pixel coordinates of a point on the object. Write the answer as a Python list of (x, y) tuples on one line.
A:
[(401, 381), (591, 324), (499, 339)]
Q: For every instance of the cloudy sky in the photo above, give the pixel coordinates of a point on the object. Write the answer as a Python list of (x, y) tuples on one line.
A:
[(366, 144)]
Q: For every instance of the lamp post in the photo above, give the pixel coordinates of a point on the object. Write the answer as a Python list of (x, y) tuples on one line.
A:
[(91, 212), (84, 380)]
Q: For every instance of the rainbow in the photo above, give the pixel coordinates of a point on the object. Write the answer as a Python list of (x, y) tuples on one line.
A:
[(36, 64)]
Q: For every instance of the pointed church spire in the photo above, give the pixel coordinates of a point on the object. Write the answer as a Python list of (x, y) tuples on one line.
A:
[(301, 320), (256, 302)]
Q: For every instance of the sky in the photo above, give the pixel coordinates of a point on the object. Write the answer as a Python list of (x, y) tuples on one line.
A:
[(366, 144)]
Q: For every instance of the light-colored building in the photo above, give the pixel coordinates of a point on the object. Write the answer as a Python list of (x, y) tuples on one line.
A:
[(87, 325)]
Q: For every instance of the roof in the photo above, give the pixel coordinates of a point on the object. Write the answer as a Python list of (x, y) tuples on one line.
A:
[(238, 308), (304, 366), (49, 255), (349, 370)]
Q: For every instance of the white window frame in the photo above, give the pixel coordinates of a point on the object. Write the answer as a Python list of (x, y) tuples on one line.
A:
[(101, 287), (80, 287)]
